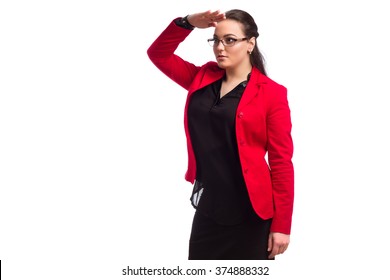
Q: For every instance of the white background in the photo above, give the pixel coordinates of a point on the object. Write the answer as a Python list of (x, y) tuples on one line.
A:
[(92, 147)]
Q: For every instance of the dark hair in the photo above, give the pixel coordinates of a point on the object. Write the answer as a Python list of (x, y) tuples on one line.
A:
[(250, 30)]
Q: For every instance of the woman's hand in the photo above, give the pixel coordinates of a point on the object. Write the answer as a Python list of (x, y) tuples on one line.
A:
[(206, 19), (277, 243)]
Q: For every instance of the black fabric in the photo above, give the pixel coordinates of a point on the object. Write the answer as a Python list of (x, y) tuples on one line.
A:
[(183, 22), (212, 241), (220, 191)]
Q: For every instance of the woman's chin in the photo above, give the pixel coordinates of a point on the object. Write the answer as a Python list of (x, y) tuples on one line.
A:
[(221, 65)]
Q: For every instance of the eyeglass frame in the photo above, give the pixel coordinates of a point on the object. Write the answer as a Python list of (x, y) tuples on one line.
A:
[(216, 41)]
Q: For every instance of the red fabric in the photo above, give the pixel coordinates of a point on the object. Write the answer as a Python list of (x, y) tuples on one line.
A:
[(263, 125)]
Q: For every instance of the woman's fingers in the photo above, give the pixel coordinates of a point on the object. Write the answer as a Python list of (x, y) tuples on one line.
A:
[(277, 243), (206, 19)]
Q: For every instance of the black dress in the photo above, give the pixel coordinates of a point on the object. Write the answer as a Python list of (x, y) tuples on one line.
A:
[(225, 225)]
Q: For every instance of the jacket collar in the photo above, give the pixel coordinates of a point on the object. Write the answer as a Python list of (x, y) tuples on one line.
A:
[(215, 73), (253, 86)]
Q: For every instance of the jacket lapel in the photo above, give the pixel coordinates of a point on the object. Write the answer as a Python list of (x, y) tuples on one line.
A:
[(252, 89), (211, 76)]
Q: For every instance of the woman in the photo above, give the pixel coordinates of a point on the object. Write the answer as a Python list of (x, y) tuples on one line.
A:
[(234, 116)]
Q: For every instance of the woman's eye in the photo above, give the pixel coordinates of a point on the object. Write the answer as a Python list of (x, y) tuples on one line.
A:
[(230, 40)]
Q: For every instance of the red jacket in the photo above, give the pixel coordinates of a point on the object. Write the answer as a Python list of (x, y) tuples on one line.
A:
[(263, 125)]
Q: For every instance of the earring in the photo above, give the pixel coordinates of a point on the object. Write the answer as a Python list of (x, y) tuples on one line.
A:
[(250, 52)]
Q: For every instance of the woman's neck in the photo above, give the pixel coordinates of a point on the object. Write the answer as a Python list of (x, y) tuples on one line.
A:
[(238, 73)]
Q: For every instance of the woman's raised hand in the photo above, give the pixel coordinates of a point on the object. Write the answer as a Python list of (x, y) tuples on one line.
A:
[(206, 19)]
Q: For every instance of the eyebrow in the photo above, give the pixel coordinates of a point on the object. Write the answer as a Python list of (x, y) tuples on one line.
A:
[(226, 35)]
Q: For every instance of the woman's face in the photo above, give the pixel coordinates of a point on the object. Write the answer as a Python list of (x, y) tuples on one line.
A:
[(235, 55)]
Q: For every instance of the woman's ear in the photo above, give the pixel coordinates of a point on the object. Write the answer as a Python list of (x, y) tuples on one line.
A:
[(251, 45)]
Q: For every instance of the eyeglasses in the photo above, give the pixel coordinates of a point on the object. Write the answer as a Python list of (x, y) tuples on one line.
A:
[(227, 42)]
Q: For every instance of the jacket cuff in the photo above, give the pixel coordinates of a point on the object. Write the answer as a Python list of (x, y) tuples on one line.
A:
[(183, 22)]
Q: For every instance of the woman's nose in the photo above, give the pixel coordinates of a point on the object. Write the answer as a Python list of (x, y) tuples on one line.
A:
[(220, 45)]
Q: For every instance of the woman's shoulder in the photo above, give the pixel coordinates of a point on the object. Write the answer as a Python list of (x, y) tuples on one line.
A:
[(267, 81)]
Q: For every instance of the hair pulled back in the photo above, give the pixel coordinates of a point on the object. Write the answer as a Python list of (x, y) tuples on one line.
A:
[(250, 30)]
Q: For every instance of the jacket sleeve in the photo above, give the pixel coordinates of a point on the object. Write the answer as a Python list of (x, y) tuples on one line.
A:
[(280, 152), (161, 53)]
